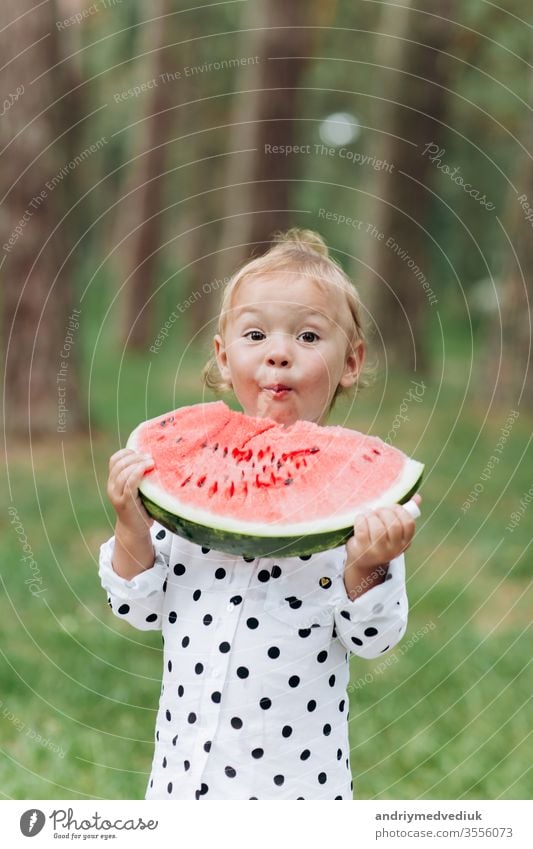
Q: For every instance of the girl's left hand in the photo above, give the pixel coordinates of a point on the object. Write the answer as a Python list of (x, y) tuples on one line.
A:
[(379, 537)]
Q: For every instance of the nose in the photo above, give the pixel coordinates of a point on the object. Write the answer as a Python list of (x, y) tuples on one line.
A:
[(277, 361), (278, 353)]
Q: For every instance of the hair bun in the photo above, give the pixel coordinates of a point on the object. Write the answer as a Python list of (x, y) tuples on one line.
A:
[(305, 240)]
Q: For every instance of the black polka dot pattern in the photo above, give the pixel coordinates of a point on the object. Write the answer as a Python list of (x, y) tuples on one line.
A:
[(256, 669)]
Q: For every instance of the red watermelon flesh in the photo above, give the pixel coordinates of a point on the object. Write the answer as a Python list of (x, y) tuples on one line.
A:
[(241, 475)]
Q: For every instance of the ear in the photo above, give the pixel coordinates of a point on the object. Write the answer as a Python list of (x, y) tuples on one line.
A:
[(222, 358), (353, 366)]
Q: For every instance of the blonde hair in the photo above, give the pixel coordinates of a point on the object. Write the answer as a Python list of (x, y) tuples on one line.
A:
[(306, 253)]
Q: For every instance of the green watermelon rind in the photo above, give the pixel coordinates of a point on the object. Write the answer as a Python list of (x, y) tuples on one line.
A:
[(268, 543)]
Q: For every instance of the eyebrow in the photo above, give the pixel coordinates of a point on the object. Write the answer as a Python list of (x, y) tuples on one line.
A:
[(244, 312)]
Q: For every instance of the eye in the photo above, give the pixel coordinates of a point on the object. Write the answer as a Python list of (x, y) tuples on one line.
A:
[(254, 334), (309, 333)]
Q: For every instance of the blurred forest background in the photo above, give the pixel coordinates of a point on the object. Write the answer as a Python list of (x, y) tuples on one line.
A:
[(145, 151)]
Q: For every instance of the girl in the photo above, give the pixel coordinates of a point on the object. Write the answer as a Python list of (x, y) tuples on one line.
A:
[(256, 652)]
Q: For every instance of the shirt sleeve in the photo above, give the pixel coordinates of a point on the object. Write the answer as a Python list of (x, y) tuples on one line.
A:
[(376, 621), (138, 601)]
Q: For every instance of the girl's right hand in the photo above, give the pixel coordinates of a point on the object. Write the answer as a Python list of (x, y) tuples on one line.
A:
[(126, 470)]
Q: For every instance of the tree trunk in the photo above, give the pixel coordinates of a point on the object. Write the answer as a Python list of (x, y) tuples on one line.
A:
[(257, 197), (198, 216), (40, 326), (397, 247), (145, 186), (507, 372)]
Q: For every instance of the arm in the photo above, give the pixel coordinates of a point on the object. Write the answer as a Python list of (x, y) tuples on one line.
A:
[(373, 617), (133, 550), (134, 563), (138, 599), (376, 620)]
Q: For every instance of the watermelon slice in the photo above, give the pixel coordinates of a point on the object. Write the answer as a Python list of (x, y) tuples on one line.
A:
[(252, 487)]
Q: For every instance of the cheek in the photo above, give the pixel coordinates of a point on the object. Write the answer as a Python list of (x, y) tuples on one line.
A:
[(241, 363), (319, 367)]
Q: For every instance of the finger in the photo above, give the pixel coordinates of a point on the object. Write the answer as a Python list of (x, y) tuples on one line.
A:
[(393, 526), (129, 478), (125, 456), (118, 455), (398, 528), (406, 519), (361, 527), (128, 461), (377, 525)]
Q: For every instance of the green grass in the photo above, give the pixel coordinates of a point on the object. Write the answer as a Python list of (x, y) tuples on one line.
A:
[(444, 717)]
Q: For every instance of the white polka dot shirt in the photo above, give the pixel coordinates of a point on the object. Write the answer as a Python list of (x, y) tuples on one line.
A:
[(256, 665)]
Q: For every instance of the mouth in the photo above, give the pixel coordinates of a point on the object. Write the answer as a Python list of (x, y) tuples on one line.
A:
[(278, 390)]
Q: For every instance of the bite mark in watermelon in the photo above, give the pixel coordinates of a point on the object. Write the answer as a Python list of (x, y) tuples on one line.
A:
[(255, 488)]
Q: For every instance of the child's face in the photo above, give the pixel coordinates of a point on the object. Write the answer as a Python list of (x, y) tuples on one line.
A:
[(285, 349)]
